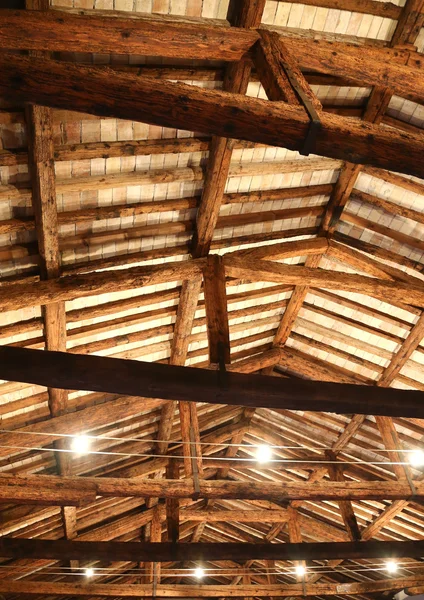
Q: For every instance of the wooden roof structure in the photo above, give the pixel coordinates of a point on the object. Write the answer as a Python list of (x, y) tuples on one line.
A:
[(212, 223)]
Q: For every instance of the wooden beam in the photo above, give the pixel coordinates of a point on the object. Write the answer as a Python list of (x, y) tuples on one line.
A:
[(272, 60), (208, 111), (201, 591), (78, 286), (43, 183), (216, 311), (81, 33), (260, 270), (404, 352), (168, 382), (166, 551), (58, 31), (346, 509), (244, 14)]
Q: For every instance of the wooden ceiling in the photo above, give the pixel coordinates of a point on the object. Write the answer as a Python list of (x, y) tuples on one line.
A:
[(231, 193)]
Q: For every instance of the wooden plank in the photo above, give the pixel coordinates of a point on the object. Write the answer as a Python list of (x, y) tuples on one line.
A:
[(387, 10), (168, 382), (404, 352), (389, 207), (216, 311), (261, 270), (207, 111)]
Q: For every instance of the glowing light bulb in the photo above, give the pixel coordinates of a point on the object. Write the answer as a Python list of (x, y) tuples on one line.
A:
[(199, 573), (416, 458), (263, 453), (391, 566), (300, 570), (81, 444), (89, 572)]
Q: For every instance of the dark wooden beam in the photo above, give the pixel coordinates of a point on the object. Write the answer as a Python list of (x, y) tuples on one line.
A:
[(216, 311), (95, 373), (125, 96), (166, 551)]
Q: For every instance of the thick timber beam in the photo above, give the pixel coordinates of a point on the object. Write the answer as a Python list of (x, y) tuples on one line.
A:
[(205, 591), (126, 96), (165, 551), (169, 382), (159, 37)]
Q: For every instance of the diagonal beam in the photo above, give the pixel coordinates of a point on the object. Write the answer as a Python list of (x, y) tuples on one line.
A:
[(209, 111)]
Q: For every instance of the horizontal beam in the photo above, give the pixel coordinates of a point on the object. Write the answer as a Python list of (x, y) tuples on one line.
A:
[(126, 96), (58, 31), (262, 270), (16, 296), (42, 588), (169, 382), (51, 489), (21, 30), (163, 551)]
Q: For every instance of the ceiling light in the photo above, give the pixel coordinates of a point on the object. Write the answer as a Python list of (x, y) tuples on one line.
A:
[(263, 453), (199, 573), (81, 444), (416, 458), (391, 566), (300, 570), (89, 572)]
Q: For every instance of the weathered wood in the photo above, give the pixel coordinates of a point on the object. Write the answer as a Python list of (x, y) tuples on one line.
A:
[(295, 304), (369, 7), (346, 508), (77, 286), (72, 371), (207, 111), (260, 270), (389, 207), (57, 31), (403, 353), (245, 14), (83, 33), (208, 591), (216, 311), (272, 59), (43, 182)]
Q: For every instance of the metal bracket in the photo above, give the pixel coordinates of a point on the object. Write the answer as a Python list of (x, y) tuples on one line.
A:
[(314, 120), (195, 471)]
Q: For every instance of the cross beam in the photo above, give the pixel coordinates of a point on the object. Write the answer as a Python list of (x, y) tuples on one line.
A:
[(126, 96), (167, 551), (169, 382)]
